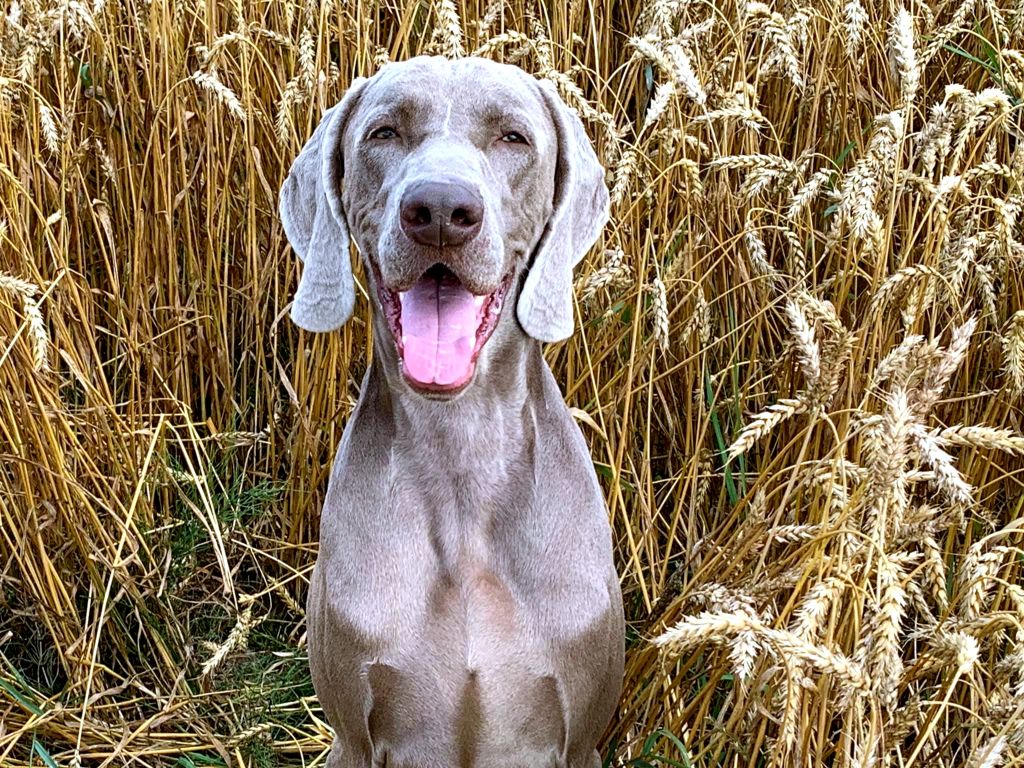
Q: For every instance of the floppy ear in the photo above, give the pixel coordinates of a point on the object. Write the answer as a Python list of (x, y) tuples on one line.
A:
[(579, 214), (314, 222)]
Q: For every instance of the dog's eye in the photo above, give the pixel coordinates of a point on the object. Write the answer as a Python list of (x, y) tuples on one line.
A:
[(384, 132), (514, 138)]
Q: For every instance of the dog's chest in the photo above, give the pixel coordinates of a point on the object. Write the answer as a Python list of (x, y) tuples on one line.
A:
[(488, 582), (457, 655), (444, 589), (472, 675)]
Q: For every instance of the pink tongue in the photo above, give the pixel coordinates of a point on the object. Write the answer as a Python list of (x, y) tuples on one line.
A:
[(439, 322)]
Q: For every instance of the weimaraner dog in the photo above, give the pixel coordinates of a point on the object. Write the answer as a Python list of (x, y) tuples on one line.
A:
[(464, 610)]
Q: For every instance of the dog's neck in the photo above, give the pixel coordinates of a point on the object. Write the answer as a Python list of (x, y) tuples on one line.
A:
[(469, 449)]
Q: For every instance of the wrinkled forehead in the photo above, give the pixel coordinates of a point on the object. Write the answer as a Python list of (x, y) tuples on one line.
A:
[(435, 94)]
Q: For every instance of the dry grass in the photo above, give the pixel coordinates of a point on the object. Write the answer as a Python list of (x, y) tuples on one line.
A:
[(800, 371)]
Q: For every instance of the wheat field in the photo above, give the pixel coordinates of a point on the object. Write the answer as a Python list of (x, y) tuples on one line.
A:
[(799, 367)]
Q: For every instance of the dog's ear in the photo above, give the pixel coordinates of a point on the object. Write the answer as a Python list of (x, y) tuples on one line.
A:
[(314, 222), (545, 307)]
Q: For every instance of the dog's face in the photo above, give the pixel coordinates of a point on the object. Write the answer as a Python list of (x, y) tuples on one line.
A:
[(449, 181), (454, 178)]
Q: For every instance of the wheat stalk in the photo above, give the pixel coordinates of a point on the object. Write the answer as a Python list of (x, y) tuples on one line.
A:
[(980, 436), (659, 104), (236, 639), (947, 477), (774, 27), (763, 423), (886, 663), (942, 371), (989, 754), (448, 29), (905, 56), (856, 18), (749, 117), (673, 60), (659, 305), (897, 283), (705, 627), (722, 627), (209, 81), (945, 34), (48, 124), (495, 9), (807, 193), (685, 76), (248, 734), (808, 352), (614, 271), (1013, 352), (809, 616), (37, 333), (757, 252), (975, 576)]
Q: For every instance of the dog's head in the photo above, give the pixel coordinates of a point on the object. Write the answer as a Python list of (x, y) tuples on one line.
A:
[(456, 179)]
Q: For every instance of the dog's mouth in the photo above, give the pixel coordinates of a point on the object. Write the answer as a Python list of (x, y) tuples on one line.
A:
[(440, 327)]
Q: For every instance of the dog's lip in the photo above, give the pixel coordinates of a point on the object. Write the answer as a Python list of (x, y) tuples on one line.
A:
[(491, 304), (405, 283)]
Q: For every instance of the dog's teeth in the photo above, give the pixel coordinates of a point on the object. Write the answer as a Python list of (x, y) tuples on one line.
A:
[(478, 301)]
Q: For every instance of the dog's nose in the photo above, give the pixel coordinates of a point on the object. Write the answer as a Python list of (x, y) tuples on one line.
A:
[(441, 213)]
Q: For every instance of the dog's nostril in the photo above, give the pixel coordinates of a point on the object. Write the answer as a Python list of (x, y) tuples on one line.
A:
[(418, 215), (463, 218)]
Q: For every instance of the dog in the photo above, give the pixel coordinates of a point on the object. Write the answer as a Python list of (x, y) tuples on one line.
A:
[(464, 609)]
